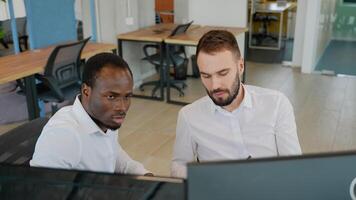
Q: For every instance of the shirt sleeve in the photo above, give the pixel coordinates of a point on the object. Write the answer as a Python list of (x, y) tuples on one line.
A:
[(286, 130), (57, 148), (126, 165), (184, 148)]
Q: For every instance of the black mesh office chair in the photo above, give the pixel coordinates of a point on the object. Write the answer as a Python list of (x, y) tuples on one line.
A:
[(18, 145), (265, 19), (62, 75), (21, 33), (178, 60)]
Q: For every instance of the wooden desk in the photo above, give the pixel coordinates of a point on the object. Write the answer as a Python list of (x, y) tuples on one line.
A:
[(274, 7), (26, 64), (191, 38), (155, 33), (152, 34), (271, 7)]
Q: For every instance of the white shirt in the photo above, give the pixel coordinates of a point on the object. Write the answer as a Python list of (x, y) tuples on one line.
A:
[(262, 126), (71, 140)]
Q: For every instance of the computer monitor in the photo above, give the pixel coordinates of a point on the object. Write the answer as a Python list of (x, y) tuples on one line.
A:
[(24, 182), (322, 176)]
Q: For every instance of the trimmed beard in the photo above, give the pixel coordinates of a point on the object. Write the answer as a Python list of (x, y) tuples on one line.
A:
[(235, 91)]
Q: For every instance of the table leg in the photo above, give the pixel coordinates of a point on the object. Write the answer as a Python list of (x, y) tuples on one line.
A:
[(168, 63), (119, 47), (31, 97), (163, 77)]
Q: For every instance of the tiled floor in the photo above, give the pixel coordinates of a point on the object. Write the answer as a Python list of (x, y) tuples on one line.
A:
[(325, 110)]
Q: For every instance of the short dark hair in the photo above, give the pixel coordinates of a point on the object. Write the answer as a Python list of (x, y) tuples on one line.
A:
[(99, 61), (216, 41)]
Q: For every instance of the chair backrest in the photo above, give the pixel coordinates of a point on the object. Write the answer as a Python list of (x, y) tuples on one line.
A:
[(178, 49), (17, 146), (181, 28), (63, 63)]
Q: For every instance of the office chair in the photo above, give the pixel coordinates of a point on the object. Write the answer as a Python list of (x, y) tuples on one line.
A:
[(178, 60), (265, 20), (18, 145), (21, 33), (62, 75)]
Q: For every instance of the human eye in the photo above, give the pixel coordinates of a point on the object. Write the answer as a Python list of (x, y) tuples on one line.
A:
[(205, 76), (223, 73), (127, 97), (110, 97)]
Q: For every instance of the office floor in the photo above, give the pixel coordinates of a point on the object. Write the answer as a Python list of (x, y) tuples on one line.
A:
[(325, 109), (272, 56)]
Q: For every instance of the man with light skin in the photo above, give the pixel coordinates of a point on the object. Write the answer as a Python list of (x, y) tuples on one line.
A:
[(84, 136), (234, 121)]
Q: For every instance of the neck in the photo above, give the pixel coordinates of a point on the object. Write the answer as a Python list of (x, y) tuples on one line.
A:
[(237, 101), (97, 122)]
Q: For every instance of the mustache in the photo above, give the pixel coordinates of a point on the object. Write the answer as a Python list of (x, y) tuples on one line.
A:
[(219, 90), (120, 114)]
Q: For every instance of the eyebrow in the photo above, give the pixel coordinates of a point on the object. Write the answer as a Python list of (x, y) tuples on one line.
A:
[(118, 94), (204, 73)]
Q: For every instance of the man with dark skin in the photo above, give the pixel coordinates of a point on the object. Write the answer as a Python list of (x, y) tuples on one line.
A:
[(84, 136), (110, 99)]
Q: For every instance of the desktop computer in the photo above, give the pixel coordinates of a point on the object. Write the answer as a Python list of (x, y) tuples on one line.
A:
[(23, 182), (319, 176)]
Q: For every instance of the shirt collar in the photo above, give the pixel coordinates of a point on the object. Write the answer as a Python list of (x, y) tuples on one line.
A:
[(246, 102), (85, 121)]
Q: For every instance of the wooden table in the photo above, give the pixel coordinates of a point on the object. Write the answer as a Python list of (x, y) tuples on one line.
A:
[(152, 34), (191, 38), (26, 64), (271, 7), (274, 7)]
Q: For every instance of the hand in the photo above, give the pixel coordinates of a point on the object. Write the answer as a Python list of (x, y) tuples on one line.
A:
[(149, 174)]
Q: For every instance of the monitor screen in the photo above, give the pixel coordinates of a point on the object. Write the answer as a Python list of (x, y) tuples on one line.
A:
[(326, 176), (22, 182)]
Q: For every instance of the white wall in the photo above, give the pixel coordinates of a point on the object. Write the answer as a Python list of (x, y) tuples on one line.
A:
[(181, 11), (106, 28), (146, 13), (3, 11), (86, 18), (299, 33), (19, 9), (220, 13), (217, 12), (317, 33), (212, 12), (111, 15)]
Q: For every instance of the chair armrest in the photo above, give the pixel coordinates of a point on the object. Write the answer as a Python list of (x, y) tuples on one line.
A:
[(52, 84)]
